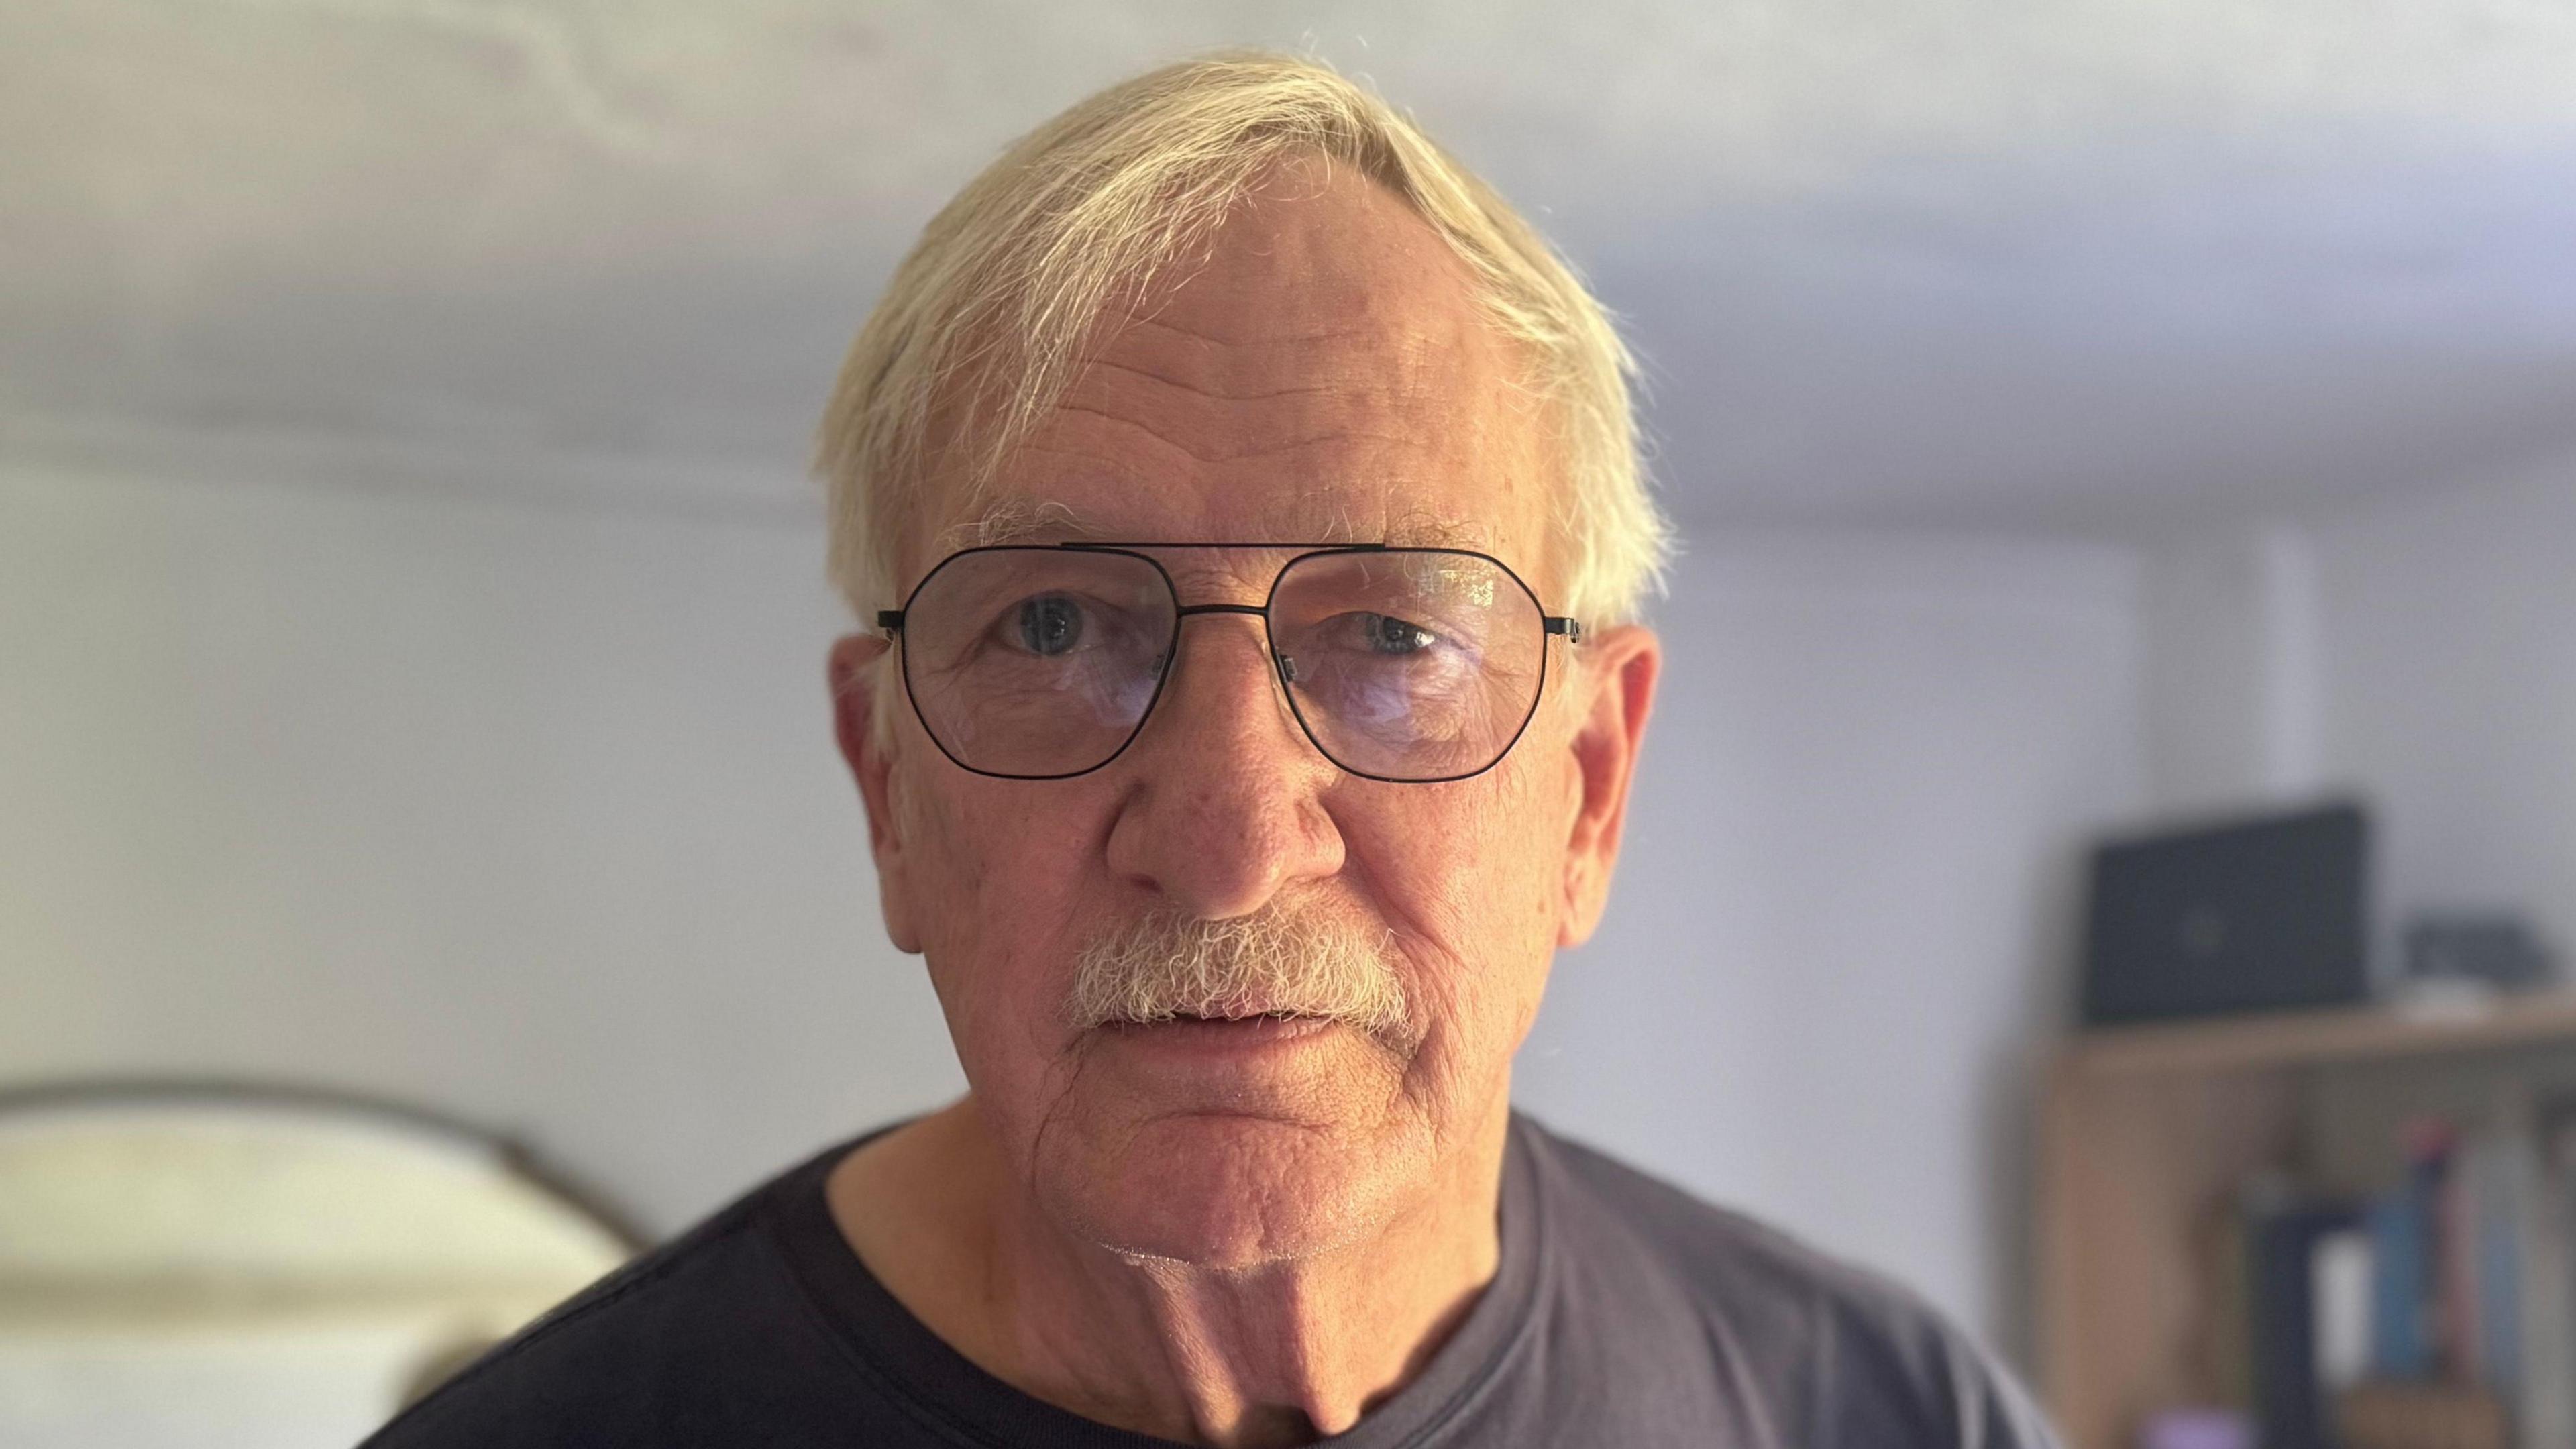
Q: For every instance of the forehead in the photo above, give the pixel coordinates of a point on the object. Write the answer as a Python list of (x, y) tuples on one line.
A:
[(1324, 375)]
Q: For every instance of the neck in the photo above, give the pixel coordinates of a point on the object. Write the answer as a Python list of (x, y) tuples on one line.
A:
[(1279, 1354)]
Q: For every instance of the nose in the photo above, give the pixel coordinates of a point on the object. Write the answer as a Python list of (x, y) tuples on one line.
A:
[(1227, 807)]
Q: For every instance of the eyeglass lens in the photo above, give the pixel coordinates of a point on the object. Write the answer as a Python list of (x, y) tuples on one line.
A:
[(1401, 664)]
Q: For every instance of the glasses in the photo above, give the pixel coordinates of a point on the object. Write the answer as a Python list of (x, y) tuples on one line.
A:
[(1042, 661)]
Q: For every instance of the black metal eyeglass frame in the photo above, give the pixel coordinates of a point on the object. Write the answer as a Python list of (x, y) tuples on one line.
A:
[(891, 621)]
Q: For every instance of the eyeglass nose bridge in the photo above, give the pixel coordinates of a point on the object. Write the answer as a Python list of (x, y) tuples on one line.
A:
[(1286, 666)]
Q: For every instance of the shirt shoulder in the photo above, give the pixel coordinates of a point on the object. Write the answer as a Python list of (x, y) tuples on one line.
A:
[(706, 1340), (1831, 1353)]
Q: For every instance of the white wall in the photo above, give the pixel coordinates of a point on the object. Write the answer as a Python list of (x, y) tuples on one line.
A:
[(1843, 912), (527, 811), (2232, 670), (2449, 691)]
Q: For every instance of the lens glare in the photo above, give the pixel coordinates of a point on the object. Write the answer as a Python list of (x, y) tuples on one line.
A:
[(1036, 661), (1408, 664)]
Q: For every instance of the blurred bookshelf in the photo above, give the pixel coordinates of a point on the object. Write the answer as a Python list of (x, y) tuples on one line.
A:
[(2168, 1152)]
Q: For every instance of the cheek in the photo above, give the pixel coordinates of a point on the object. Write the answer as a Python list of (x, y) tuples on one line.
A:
[(991, 857), (998, 877), (1472, 874)]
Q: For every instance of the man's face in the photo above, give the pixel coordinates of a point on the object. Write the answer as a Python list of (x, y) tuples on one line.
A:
[(1326, 376)]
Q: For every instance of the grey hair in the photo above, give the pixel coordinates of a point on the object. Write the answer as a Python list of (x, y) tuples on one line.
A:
[(985, 321)]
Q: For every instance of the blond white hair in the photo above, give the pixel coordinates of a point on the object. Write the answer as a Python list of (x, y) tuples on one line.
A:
[(985, 321)]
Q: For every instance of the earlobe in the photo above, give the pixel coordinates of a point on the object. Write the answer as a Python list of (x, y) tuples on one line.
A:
[(1617, 692), (854, 673)]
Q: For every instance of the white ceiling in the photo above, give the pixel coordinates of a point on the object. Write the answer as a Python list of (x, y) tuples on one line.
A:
[(2083, 265)]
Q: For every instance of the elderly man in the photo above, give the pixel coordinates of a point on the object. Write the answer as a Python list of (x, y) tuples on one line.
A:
[(1247, 507)]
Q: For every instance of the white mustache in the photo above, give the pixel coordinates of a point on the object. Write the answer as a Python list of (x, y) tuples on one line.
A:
[(1276, 962)]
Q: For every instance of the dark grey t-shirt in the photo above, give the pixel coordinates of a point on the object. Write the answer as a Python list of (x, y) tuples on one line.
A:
[(1624, 1313)]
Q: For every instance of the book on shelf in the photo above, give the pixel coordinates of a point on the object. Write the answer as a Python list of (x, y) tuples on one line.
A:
[(2439, 1311), (2287, 1242)]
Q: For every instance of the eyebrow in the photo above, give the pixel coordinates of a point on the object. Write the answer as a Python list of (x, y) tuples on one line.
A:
[(1013, 521)]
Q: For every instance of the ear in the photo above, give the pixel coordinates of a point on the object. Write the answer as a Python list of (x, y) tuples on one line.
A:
[(855, 673), (1615, 690)]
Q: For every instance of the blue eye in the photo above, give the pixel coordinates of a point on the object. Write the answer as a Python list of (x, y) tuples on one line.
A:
[(1050, 625), (1386, 634)]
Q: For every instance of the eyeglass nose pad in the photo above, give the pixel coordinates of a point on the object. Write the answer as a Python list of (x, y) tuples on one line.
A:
[(1287, 669)]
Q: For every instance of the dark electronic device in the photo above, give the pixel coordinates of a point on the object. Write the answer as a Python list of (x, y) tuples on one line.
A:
[(2264, 915), (2500, 951)]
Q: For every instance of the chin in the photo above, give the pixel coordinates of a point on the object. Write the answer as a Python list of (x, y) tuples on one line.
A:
[(1226, 1191)]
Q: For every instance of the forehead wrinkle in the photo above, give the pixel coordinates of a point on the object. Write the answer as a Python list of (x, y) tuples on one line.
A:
[(1205, 337), (1267, 448), (1371, 295), (1233, 408), (1394, 367), (1045, 521), (1185, 385)]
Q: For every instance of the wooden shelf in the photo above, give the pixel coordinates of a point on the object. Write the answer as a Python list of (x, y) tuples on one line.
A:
[(2147, 1134), (2310, 1038)]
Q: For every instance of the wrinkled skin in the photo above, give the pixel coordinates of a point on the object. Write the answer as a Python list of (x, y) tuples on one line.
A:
[(1240, 1241)]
